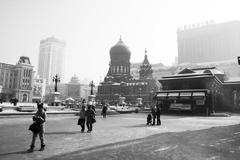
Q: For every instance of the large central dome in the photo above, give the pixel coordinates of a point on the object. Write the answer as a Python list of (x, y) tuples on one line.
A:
[(120, 49), (119, 67)]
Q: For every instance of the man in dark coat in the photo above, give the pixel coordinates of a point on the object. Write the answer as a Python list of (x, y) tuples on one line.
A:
[(153, 111), (158, 113), (104, 111), (81, 120), (90, 117)]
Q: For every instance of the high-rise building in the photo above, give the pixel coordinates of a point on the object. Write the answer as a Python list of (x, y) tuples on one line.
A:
[(209, 42), (51, 59), (16, 80)]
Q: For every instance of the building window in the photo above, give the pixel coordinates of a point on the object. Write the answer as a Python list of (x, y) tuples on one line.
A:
[(24, 98)]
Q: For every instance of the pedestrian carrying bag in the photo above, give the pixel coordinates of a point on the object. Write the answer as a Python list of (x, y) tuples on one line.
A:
[(34, 127), (80, 121)]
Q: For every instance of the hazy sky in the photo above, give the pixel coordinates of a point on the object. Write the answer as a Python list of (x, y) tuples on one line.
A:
[(91, 27)]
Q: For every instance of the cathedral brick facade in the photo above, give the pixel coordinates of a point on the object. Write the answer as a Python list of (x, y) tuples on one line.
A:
[(119, 82)]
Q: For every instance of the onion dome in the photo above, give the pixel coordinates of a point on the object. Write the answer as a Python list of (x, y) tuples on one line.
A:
[(120, 49)]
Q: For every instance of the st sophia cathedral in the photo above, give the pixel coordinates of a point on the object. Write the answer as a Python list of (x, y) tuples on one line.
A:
[(119, 82)]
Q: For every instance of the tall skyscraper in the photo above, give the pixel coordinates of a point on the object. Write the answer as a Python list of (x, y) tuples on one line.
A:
[(209, 42), (51, 59)]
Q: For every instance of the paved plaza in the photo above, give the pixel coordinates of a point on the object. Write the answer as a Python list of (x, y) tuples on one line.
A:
[(65, 141)]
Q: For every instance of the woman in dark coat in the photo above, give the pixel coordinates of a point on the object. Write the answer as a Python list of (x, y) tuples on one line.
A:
[(90, 117), (39, 119)]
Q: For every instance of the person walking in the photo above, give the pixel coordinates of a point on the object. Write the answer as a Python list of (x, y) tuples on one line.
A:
[(90, 117), (81, 120), (153, 111), (39, 120), (158, 113), (104, 111)]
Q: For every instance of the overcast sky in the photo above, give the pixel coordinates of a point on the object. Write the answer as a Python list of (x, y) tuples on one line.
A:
[(91, 27)]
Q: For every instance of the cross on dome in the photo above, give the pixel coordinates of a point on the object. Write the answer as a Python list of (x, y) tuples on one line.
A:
[(145, 51)]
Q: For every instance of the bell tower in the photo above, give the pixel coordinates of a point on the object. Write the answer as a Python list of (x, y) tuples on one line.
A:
[(146, 69)]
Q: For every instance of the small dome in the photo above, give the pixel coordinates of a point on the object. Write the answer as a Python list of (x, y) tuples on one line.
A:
[(74, 80), (120, 48), (24, 60)]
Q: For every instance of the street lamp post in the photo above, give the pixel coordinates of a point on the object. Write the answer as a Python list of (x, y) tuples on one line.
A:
[(56, 79), (92, 85), (0, 93), (54, 97), (91, 98)]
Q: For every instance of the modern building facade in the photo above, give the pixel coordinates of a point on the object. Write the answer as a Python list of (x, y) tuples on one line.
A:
[(119, 81), (199, 90), (16, 80), (209, 42), (51, 59)]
